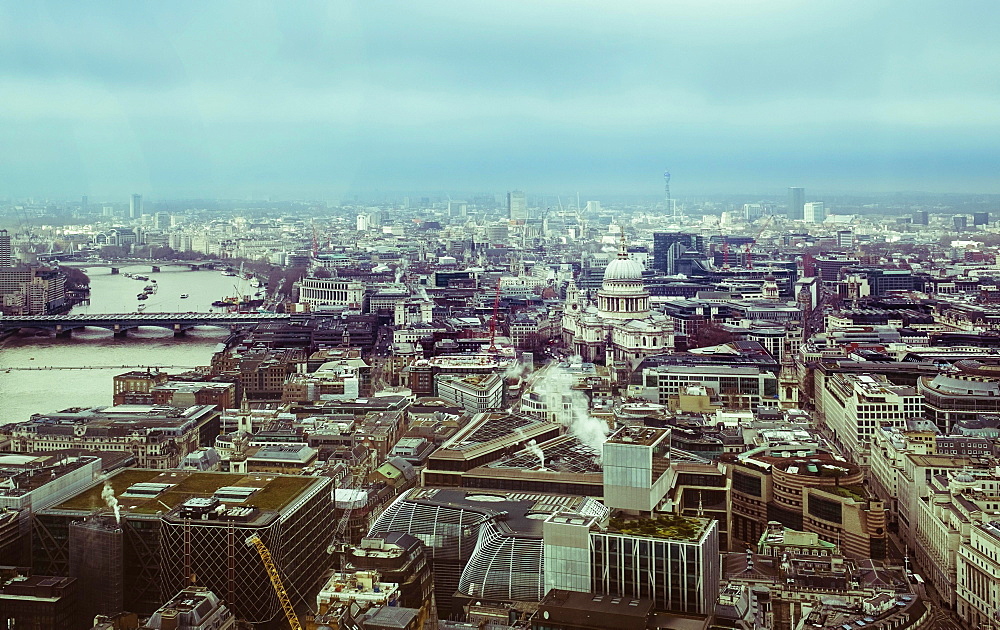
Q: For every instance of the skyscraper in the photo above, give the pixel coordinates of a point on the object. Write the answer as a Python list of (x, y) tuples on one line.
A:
[(921, 217), (517, 206), (796, 203), (668, 247), (135, 207), (5, 252)]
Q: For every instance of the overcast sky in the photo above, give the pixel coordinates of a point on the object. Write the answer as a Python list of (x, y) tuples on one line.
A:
[(301, 99)]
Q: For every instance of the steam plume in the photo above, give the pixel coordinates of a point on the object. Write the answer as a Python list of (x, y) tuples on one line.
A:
[(535, 450), (108, 494), (570, 407)]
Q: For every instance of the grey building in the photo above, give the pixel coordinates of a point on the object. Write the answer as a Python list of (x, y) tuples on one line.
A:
[(796, 203)]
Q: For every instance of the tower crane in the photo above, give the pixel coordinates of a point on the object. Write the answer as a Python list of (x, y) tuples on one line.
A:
[(354, 479), (493, 320), (279, 588)]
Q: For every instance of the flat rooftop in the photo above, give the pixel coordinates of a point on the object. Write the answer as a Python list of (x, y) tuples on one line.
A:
[(275, 491), (669, 526), (117, 418), (26, 472), (644, 436)]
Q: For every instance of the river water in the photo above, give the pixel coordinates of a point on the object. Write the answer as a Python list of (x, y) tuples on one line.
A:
[(24, 392)]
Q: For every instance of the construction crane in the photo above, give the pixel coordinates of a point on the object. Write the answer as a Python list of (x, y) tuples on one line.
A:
[(493, 321), (279, 588), (725, 250)]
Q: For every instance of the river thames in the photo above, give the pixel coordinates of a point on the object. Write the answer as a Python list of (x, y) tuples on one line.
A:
[(24, 392)]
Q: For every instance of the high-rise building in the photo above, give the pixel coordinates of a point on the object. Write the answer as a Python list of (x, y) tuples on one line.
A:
[(814, 212), (669, 246), (796, 203), (921, 217), (6, 259), (517, 206), (961, 222), (135, 206), (84, 204), (980, 218), (161, 220)]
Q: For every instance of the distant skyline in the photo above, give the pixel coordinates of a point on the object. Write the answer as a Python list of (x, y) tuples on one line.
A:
[(330, 99)]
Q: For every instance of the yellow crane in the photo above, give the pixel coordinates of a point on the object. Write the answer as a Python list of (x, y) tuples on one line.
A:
[(272, 572)]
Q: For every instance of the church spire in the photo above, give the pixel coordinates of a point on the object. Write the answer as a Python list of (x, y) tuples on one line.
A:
[(623, 251)]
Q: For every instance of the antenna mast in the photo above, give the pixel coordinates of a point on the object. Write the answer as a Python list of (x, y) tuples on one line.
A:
[(666, 193)]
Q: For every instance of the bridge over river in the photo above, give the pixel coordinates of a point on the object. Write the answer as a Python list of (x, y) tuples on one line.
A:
[(121, 323)]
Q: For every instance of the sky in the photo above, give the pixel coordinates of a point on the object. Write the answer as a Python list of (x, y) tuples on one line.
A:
[(324, 99)]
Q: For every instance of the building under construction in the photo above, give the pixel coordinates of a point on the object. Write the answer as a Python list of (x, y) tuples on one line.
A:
[(182, 528)]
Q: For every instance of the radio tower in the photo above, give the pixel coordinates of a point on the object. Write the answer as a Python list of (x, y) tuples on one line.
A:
[(666, 193)]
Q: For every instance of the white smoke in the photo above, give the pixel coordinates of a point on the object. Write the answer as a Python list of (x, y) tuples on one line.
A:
[(535, 450), (515, 370), (108, 494), (570, 407)]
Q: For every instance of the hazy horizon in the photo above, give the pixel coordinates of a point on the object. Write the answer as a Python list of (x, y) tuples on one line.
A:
[(330, 100)]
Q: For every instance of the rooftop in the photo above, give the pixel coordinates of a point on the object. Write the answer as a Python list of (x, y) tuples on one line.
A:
[(488, 427), (562, 454), (276, 491), (670, 526), (644, 436), (522, 512)]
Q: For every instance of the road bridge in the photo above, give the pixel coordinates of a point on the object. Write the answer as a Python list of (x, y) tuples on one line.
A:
[(121, 323)]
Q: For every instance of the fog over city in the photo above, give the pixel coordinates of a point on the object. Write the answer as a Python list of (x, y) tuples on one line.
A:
[(323, 99)]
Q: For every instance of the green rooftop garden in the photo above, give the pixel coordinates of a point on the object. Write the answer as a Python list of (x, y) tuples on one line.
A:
[(671, 526), (275, 491), (855, 492)]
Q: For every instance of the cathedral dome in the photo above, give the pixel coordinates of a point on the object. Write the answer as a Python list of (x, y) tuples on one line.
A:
[(623, 269)]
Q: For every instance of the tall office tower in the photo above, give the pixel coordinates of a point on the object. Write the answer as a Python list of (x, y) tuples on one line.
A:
[(5, 253), (517, 206), (84, 204), (135, 207), (458, 209), (161, 220), (593, 207), (814, 212), (668, 247), (980, 218), (796, 203), (961, 222), (921, 217)]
